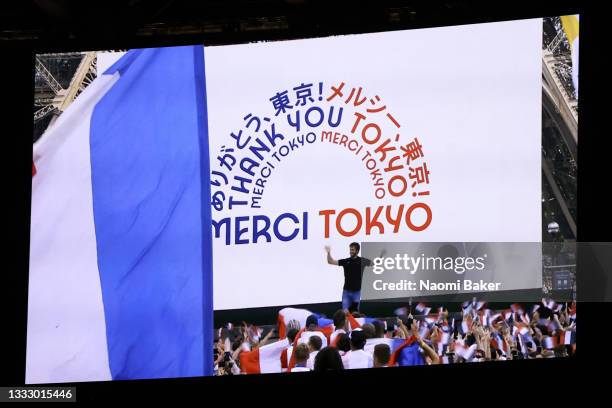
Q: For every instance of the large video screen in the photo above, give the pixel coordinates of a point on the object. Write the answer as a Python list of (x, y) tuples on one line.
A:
[(410, 136), (181, 183)]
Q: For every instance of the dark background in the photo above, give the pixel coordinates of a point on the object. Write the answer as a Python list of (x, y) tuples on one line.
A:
[(42, 26)]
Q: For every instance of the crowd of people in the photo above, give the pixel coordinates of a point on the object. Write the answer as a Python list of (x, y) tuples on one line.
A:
[(307, 341)]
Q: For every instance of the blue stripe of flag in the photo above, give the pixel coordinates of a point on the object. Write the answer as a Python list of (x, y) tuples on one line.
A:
[(151, 195)]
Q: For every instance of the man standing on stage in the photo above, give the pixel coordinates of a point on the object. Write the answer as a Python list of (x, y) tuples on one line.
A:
[(353, 271)]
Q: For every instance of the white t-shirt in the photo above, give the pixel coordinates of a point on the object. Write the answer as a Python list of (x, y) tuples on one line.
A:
[(299, 369), (311, 359), (344, 357), (358, 359), (305, 336)]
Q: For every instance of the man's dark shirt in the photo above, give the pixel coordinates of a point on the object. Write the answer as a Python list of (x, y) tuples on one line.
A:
[(353, 272)]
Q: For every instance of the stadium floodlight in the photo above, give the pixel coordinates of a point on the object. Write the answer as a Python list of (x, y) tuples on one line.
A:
[(553, 228)]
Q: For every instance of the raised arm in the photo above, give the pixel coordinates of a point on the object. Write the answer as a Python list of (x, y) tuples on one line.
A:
[(330, 260), (402, 327), (433, 356), (266, 339), (237, 352), (228, 349)]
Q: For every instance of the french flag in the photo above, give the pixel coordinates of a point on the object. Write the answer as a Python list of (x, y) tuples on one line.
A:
[(483, 316), (287, 314), (567, 337), (479, 305), (285, 357), (393, 343), (422, 308), (498, 342), (549, 342), (465, 352), (517, 308), (549, 303), (406, 353), (424, 331), (525, 318), (326, 331), (466, 307), (430, 319), (354, 322), (521, 329), (120, 283), (495, 317), (466, 325), (264, 359)]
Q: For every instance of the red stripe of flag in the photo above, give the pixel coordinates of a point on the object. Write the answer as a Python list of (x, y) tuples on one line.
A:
[(353, 322), (396, 353)]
